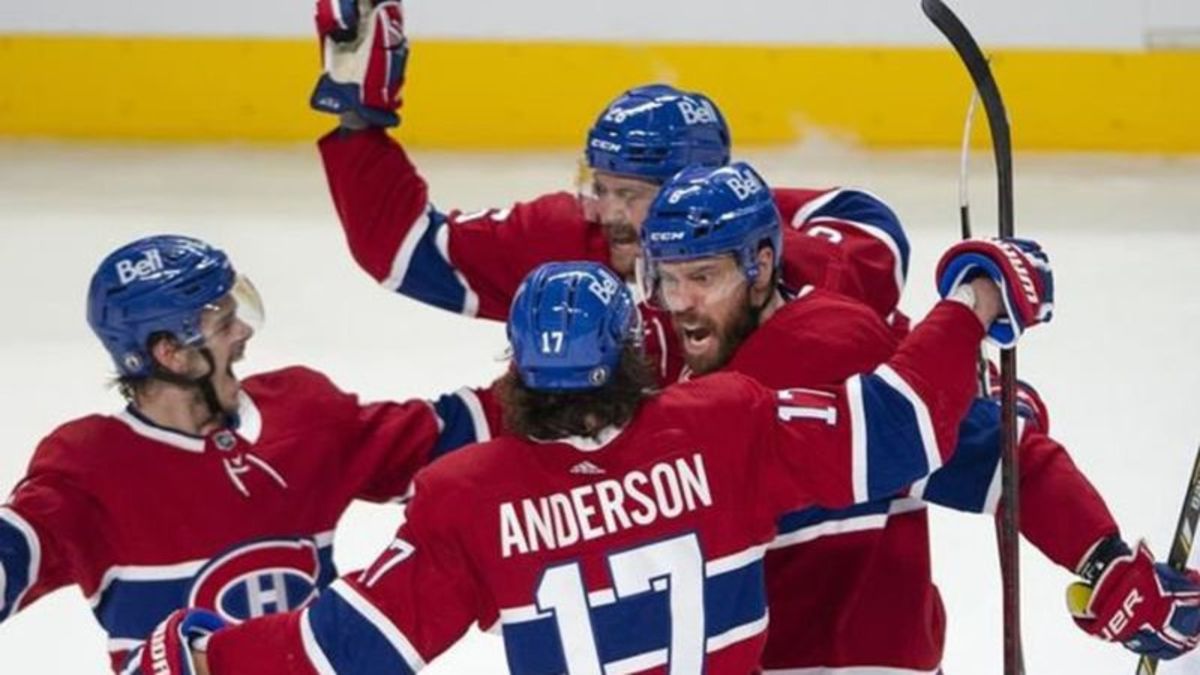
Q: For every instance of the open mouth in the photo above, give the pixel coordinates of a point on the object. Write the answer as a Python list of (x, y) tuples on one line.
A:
[(697, 339)]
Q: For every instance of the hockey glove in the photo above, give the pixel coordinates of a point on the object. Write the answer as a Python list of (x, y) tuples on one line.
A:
[(1030, 405), (1021, 270), (1149, 607), (169, 649), (364, 53)]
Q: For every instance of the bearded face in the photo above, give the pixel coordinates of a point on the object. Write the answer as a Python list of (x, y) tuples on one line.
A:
[(711, 309)]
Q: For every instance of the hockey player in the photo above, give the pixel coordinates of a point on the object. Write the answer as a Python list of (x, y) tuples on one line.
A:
[(206, 490), (843, 239), (621, 530), (709, 241)]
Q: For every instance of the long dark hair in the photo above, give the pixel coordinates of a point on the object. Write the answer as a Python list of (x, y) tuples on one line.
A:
[(549, 415)]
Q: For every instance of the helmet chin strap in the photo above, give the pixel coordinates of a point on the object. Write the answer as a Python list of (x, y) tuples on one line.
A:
[(756, 311), (203, 383)]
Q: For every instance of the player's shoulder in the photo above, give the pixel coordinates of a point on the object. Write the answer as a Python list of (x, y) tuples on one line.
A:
[(798, 205), (555, 210), (294, 381), (705, 395), (75, 444), (818, 338), (814, 310), (297, 395), (790, 200), (474, 468)]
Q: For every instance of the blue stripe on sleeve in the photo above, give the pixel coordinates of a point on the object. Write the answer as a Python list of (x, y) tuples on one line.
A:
[(351, 642), (895, 451), (798, 520), (963, 482), (860, 207), (430, 277), (458, 424)]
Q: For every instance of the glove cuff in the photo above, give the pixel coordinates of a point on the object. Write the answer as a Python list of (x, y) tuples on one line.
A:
[(1101, 555)]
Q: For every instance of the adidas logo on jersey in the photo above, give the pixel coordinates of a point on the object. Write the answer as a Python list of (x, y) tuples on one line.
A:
[(586, 468)]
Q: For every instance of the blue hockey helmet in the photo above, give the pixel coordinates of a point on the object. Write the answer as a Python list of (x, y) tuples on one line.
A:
[(654, 132), (159, 284), (704, 212), (568, 325)]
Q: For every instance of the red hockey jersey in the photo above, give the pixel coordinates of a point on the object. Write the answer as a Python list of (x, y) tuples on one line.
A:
[(639, 551), (146, 520), (842, 240), (865, 570)]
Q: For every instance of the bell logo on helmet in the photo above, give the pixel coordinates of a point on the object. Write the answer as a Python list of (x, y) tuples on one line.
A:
[(744, 186), (697, 112), (149, 265), (604, 288)]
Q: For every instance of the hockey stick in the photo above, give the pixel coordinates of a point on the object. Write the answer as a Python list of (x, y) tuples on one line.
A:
[(964, 219), (964, 201), (1181, 548), (989, 93)]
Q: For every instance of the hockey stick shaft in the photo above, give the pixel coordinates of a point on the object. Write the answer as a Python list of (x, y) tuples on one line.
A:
[(964, 219), (1181, 546), (1008, 529)]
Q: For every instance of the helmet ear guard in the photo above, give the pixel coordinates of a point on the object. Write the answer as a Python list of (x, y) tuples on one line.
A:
[(655, 131), (568, 326)]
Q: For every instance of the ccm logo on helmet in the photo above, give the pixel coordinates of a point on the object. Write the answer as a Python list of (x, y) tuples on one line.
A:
[(146, 267), (744, 185), (666, 236), (607, 146)]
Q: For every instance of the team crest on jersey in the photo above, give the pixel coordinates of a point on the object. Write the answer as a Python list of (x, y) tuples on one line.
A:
[(264, 577)]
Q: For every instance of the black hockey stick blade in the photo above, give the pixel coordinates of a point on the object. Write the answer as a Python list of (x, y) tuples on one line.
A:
[(1181, 547)]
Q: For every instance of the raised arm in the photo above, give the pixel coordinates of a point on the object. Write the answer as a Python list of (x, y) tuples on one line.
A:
[(46, 530), (844, 240)]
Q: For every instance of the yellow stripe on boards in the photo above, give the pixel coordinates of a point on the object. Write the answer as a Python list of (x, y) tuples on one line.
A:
[(473, 95)]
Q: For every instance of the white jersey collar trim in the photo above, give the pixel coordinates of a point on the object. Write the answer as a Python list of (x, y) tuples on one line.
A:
[(249, 427), (587, 443)]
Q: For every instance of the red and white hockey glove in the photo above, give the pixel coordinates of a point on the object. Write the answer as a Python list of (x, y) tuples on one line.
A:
[(168, 651), (1149, 607), (1021, 270), (1030, 405), (364, 54)]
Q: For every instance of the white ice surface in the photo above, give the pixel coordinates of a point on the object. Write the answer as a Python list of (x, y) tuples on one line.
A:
[(1119, 366)]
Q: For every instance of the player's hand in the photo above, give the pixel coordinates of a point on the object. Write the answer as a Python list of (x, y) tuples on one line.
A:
[(1149, 607), (1019, 268), (169, 649), (364, 53), (1030, 405)]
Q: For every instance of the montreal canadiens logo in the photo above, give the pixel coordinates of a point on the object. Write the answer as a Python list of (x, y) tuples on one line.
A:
[(264, 577)]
